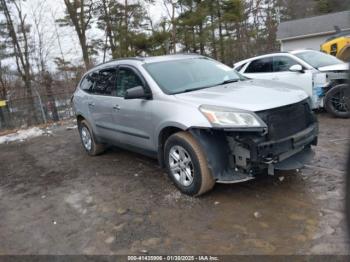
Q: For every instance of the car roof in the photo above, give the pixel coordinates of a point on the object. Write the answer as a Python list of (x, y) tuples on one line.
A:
[(293, 52), (260, 56), (155, 59), (143, 60), (152, 59), (302, 50)]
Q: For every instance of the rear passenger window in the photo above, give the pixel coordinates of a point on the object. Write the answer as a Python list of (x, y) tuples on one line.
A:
[(263, 65), (283, 63), (105, 82), (100, 83)]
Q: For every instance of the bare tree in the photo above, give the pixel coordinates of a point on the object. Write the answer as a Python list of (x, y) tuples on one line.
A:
[(20, 42), (42, 50), (59, 43)]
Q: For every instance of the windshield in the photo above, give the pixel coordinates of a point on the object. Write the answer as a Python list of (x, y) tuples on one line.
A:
[(318, 59), (178, 76)]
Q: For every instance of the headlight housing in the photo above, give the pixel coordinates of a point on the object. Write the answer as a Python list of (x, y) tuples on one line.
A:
[(230, 118)]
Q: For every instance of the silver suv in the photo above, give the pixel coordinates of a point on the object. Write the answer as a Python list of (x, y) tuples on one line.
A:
[(202, 120)]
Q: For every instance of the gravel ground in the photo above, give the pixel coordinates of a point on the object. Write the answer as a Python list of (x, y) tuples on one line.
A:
[(54, 199)]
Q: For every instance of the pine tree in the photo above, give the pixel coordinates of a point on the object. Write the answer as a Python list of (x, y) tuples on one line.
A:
[(79, 14)]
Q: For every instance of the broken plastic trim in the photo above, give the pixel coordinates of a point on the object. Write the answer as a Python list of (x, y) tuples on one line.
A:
[(229, 165)]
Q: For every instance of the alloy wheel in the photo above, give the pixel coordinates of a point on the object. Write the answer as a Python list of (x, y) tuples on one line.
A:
[(181, 165), (86, 138)]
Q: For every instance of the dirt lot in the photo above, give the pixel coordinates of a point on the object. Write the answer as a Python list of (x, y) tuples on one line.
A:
[(54, 199)]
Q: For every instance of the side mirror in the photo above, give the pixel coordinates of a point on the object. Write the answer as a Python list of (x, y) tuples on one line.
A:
[(137, 92), (296, 69)]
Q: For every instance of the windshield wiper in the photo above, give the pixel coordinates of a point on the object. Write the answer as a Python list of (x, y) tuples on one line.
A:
[(204, 87), (229, 81), (191, 89)]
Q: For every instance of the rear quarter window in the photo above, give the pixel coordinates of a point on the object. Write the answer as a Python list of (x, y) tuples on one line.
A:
[(239, 68), (86, 84)]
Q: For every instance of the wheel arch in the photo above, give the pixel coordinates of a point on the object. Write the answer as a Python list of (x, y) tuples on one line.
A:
[(328, 105), (80, 118), (163, 135)]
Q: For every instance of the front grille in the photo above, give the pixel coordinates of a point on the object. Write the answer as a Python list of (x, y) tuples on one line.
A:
[(287, 120)]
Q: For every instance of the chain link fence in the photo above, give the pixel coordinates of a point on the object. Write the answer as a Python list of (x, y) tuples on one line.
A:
[(41, 109)]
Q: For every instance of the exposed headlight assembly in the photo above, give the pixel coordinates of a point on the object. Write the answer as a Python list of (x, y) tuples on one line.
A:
[(230, 118)]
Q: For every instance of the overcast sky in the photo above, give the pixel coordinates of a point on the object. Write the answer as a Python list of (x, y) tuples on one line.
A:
[(54, 9)]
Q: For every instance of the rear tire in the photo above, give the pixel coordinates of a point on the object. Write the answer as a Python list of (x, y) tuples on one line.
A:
[(88, 139), (337, 101), (187, 165)]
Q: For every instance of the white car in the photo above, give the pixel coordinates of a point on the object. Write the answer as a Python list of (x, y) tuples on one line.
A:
[(322, 76)]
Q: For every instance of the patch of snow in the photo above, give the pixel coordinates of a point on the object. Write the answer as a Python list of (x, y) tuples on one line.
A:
[(257, 214), (174, 196), (78, 200), (71, 127), (21, 135)]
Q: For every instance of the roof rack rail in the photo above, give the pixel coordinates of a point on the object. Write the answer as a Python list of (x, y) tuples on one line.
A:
[(143, 58), (120, 59)]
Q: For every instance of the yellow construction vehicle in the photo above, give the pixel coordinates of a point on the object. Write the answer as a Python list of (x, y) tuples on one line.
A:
[(338, 45)]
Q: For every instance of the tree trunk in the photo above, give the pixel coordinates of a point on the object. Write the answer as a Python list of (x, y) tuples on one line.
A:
[(109, 30), (80, 25), (32, 118), (84, 48), (47, 82), (126, 36), (173, 22), (201, 42), (213, 38), (221, 37)]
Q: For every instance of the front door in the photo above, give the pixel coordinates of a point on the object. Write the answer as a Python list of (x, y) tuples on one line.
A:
[(132, 118)]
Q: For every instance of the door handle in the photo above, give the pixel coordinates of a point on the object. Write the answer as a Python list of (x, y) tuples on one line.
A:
[(116, 107), (91, 104)]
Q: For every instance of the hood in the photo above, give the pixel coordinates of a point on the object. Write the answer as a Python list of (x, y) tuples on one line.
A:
[(252, 95), (337, 67)]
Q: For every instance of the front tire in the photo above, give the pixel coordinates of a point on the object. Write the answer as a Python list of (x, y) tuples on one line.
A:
[(337, 101), (187, 165), (88, 140)]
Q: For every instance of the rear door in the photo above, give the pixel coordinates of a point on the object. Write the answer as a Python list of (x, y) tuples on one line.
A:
[(101, 101)]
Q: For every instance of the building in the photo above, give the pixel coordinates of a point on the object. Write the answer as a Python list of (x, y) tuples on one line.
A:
[(311, 32)]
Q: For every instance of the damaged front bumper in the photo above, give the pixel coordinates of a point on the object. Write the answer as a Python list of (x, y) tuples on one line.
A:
[(236, 156)]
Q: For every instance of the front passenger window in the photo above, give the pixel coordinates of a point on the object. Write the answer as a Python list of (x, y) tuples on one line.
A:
[(126, 79), (283, 63)]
